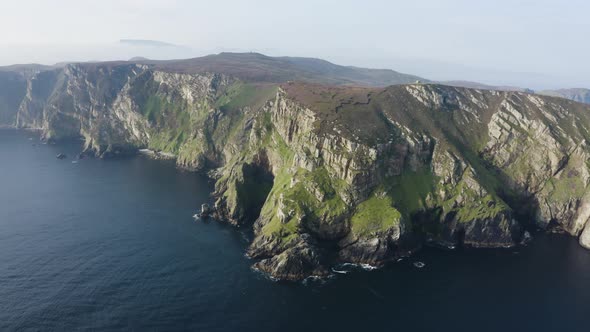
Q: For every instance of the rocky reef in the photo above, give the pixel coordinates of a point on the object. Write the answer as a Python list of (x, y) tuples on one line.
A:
[(325, 174)]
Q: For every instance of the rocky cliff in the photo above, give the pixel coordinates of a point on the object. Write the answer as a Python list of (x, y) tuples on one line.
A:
[(329, 175)]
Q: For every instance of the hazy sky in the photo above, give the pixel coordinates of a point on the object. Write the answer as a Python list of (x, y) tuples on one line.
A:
[(540, 43)]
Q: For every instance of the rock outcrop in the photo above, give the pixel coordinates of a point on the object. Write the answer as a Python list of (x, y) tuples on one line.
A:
[(585, 237), (329, 175)]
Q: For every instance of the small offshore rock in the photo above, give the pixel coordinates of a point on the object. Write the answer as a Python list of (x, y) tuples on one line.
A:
[(419, 264), (205, 210), (526, 238)]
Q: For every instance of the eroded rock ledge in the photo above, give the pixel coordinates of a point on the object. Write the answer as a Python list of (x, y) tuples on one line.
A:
[(328, 175)]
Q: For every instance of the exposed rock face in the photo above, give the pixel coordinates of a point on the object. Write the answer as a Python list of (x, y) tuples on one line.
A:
[(300, 259), (336, 174), (374, 249), (585, 237), (12, 91)]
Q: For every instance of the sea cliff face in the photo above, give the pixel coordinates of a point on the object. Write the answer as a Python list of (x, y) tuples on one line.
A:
[(328, 175)]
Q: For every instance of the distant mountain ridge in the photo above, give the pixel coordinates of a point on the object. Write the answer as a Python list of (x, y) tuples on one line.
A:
[(256, 67), (481, 86), (261, 68), (580, 95)]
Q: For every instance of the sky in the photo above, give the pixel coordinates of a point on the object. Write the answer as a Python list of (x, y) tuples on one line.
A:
[(536, 44)]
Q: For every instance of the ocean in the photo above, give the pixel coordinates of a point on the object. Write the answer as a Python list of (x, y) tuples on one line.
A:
[(110, 245)]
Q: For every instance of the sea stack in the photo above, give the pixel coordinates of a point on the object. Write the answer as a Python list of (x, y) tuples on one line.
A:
[(205, 210)]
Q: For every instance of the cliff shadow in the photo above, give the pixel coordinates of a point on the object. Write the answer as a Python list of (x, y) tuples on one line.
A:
[(253, 191)]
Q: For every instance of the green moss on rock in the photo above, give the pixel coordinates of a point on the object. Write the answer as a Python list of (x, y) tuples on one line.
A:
[(565, 188), (410, 190), (302, 198), (240, 95), (375, 215), (486, 208)]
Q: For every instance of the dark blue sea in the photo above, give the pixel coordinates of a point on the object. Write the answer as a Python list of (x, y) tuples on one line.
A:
[(110, 245)]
